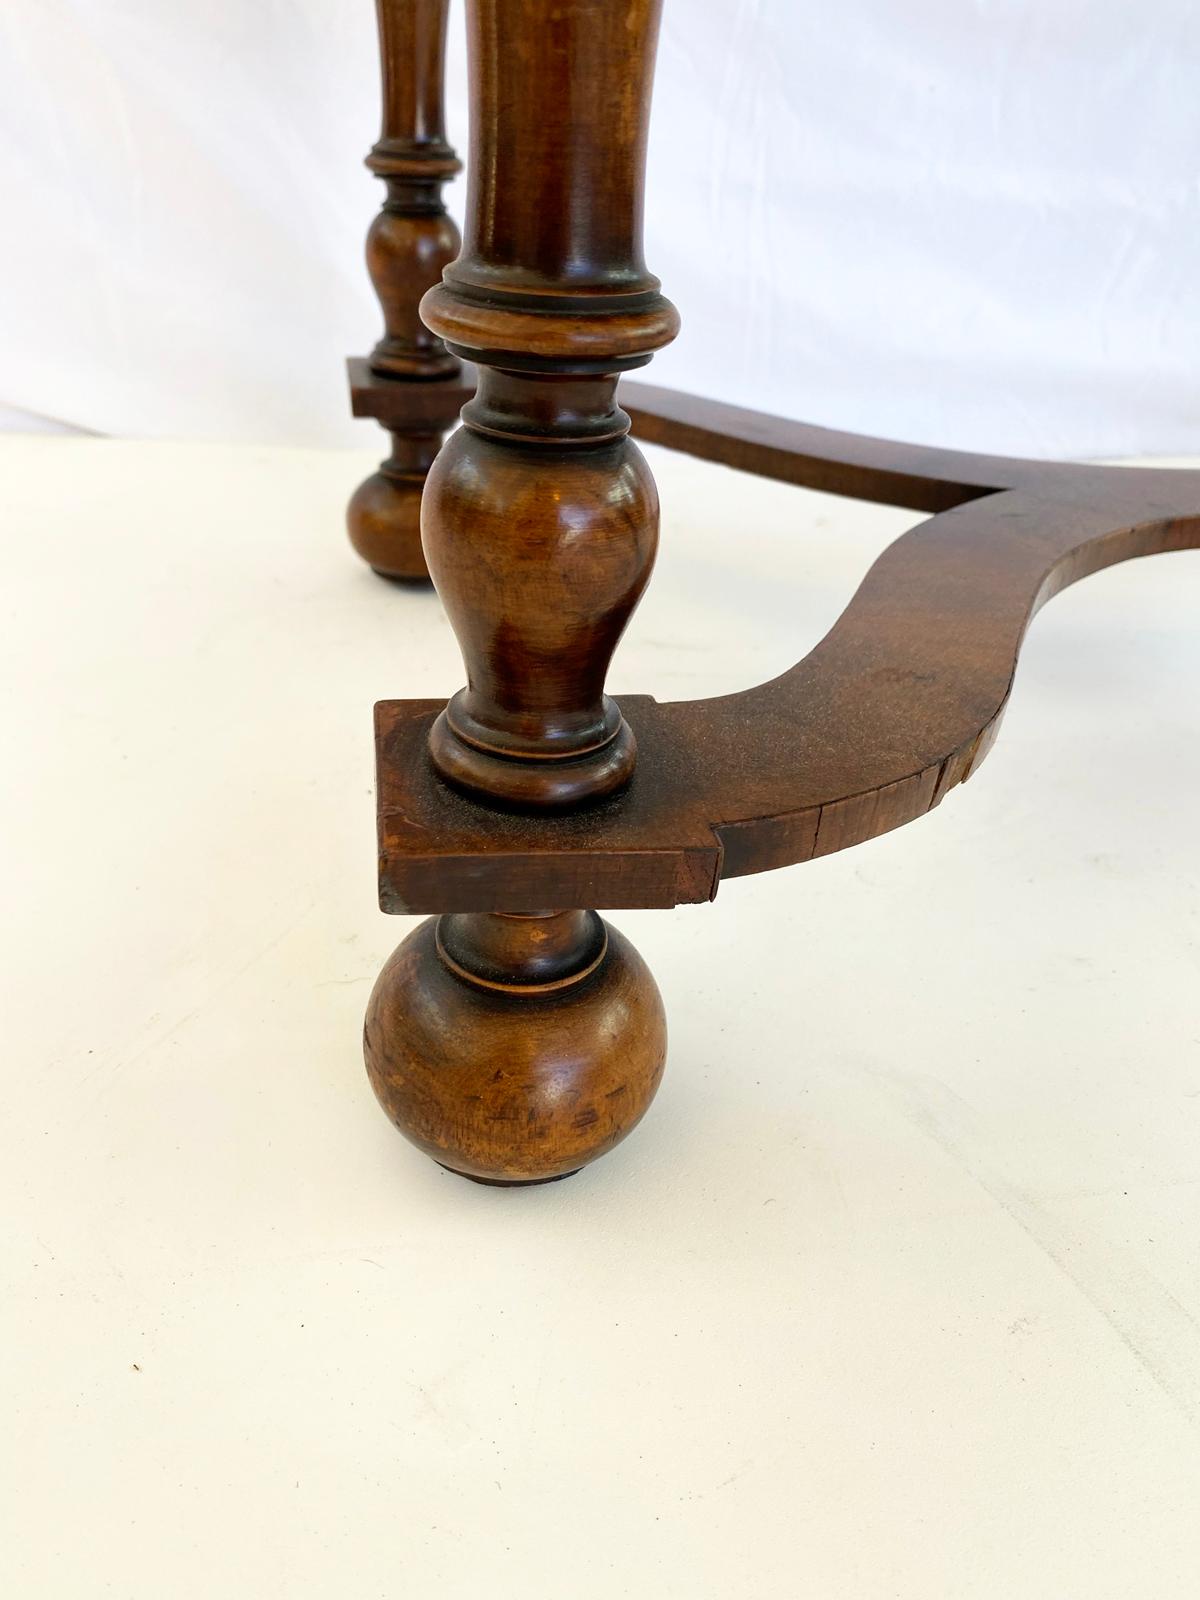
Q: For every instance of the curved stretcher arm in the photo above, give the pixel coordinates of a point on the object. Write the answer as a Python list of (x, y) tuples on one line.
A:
[(894, 707)]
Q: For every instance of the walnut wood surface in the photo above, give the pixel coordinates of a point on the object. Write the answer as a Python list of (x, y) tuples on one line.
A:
[(515, 1049), (898, 704), (510, 1039)]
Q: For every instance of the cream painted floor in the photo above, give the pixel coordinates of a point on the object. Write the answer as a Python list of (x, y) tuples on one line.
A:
[(893, 1296)]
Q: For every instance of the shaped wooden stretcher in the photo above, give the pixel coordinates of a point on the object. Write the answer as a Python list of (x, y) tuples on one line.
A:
[(898, 704)]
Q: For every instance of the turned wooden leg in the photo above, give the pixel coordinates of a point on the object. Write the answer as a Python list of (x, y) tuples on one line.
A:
[(409, 243), (516, 1048)]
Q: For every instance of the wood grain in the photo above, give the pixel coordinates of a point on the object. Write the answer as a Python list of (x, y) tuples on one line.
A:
[(515, 1050)]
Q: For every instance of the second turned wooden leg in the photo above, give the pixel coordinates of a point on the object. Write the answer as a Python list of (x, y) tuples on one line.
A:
[(410, 241), (515, 1048)]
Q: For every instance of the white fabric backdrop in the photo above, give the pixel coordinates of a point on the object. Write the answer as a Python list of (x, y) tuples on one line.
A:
[(969, 221)]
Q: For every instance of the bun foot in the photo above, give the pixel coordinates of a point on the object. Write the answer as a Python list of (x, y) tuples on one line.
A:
[(515, 1049), (383, 520)]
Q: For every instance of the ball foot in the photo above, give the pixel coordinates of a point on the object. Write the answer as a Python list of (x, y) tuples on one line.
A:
[(383, 520), (515, 1049)]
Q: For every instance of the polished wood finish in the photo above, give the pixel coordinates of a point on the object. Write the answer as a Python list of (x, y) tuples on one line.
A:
[(539, 522), (539, 552), (510, 1042), (409, 242)]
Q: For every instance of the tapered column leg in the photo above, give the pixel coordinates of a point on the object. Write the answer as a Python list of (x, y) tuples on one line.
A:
[(409, 243), (514, 1049)]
